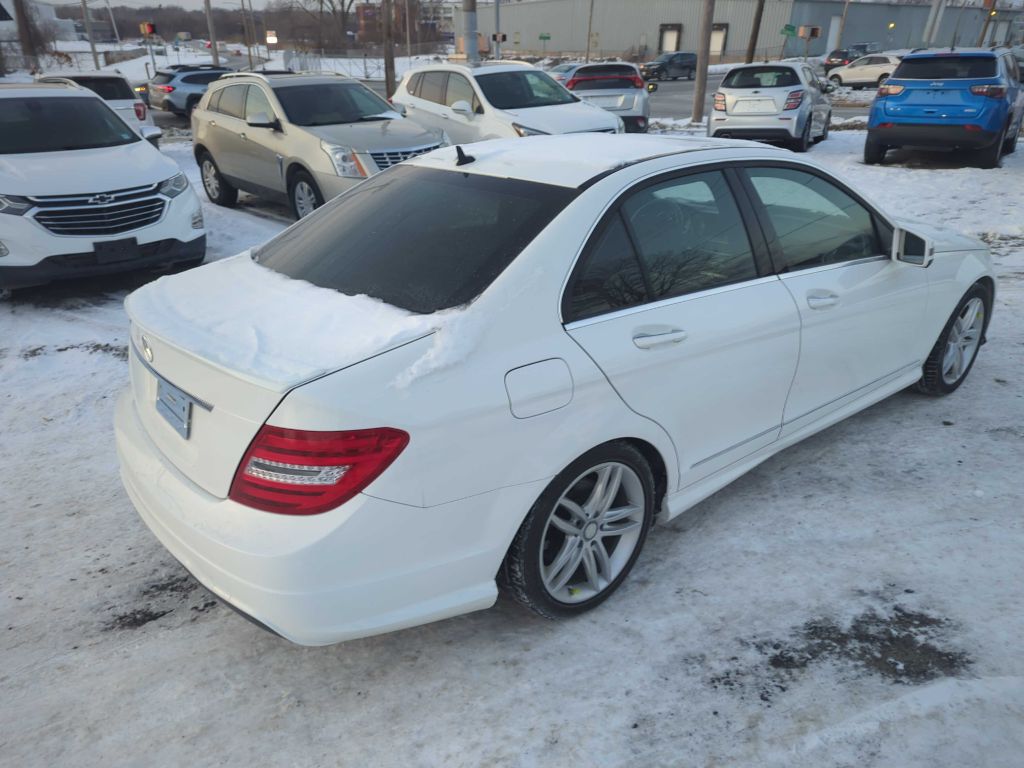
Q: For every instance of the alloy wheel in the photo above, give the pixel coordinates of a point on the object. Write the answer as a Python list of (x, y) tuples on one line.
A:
[(210, 180), (592, 532), (963, 341), (305, 199)]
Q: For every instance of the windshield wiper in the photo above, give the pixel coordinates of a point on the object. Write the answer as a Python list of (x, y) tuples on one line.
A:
[(376, 117)]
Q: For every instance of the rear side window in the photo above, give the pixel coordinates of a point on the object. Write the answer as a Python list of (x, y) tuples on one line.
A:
[(232, 101), (761, 77), (108, 88), (432, 86), (162, 78), (815, 223), (456, 234), (204, 79), (214, 102), (946, 68)]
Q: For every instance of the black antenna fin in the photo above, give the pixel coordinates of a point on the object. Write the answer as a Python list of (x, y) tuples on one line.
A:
[(464, 159)]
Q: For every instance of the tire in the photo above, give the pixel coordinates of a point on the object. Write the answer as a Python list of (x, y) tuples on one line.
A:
[(662, 76), (837, 80), (690, 74), (1010, 145), (824, 134), (945, 370), (189, 106), (881, 80), (303, 193), (217, 187), (874, 151), (803, 143), (530, 572), (992, 155)]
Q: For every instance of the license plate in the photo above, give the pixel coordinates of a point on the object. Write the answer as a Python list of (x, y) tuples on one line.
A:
[(175, 406), (604, 101), (113, 251), (755, 105)]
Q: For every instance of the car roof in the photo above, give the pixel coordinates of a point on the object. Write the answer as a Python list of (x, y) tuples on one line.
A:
[(572, 160), (283, 79), (483, 68), (70, 74), (936, 52), (11, 90)]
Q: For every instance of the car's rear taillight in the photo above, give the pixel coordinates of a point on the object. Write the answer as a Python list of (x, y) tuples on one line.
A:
[(300, 472), (889, 90), (571, 83), (719, 102), (140, 110), (991, 91), (638, 82), (164, 88), (794, 100)]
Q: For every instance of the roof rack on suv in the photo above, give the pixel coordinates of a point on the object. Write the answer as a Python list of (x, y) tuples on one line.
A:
[(192, 68)]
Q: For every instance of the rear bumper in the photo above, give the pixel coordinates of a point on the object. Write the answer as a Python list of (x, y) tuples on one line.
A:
[(756, 127), (933, 136), (368, 567), (69, 266)]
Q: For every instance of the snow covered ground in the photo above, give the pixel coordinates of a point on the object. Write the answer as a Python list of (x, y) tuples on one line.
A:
[(855, 601)]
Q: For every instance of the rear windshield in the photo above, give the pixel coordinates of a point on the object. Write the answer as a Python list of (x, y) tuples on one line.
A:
[(109, 88), (456, 233), (761, 77), (946, 68), (522, 90), (162, 78), (52, 124), (607, 77)]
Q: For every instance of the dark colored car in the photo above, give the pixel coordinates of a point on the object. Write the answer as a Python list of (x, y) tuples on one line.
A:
[(670, 65), (966, 98)]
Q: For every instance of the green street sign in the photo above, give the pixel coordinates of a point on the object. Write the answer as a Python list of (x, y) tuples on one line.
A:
[(789, 31), (544, 36)]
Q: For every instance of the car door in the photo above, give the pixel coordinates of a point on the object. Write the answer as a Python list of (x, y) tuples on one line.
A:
[(860, 310), (261, 160), (224, 128), (461, 128), (678, 306), (426, 105)]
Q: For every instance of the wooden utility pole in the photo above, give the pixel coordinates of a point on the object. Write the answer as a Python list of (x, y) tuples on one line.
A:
[(469, 31), (27, 35), (389, 48), (212, 32), (590, 27), (990, 12), (88, 33), (842, 24), (700, 88), (755, 32), (408, 34)]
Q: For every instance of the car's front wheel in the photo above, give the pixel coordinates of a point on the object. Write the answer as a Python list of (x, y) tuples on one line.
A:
[(881, 80), (836, 80), (662, 76), (217, 188), (583, 535), (304, 195), (955, 351)]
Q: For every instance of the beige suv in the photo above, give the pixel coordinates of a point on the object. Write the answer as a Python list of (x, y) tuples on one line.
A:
[(296, 137)]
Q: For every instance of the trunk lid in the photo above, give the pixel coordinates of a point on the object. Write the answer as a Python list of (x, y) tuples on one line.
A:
[(216, 348), (757, 101), (938, 98), (621, 98)]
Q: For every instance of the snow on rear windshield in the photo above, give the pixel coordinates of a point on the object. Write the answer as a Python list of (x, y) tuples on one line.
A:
[(761, 77), (416, 238), (946, 68)]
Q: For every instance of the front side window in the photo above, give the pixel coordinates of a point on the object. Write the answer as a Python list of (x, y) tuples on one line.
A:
[(815, 223), (522, 90), (456, 233), (256, 102), (459, 89), (689, 235), (331, 104), (55, 124), (232, 101), (761, 77)]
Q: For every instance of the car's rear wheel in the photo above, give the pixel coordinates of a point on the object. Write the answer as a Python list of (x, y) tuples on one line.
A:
[(190, 106), (874, 151), (689, 74), (955, 351), (992, 155), (803, 143), (304, 195), (584, 533), (1010, 144), (217, 188)]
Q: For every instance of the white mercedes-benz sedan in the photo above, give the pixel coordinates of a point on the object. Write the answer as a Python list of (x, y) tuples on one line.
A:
[(498, 364)]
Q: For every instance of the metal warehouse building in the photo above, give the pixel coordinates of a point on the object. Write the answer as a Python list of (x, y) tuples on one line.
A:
[(643, 28)]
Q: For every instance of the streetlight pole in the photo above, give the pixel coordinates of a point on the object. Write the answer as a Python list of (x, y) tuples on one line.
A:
[(590, 26), (497, 29)]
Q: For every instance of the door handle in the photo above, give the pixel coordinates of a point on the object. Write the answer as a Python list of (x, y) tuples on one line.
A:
[(821, 299), (243, 137), (651, 340), (213, 123), (446, 117)]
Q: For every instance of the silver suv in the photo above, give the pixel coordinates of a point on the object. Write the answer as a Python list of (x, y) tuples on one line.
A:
[(297, 137)]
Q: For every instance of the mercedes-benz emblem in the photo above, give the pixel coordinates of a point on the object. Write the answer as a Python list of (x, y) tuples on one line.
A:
[(147, 350), (101, 198)]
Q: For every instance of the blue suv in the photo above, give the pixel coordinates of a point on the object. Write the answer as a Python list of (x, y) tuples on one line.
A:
[(962, 98)]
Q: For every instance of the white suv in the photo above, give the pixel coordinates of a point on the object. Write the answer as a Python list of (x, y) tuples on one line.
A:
[(495, 101), (82, 194), (114, 89)]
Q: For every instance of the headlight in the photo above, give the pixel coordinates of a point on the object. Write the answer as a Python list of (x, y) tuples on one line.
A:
[(344, 160), (522, 130), (14, 205), (174, 186)]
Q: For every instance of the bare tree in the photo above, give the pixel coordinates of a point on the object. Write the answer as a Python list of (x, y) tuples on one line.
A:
[(338, 11)]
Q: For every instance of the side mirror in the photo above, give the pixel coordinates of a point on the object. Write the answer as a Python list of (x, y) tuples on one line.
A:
[(827, 86), (151, 133), (462, 108), (652, 87), (399, 108), (912, 249), (263, 120)]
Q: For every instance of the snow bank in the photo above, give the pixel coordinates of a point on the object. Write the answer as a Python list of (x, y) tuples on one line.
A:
[(275, 330)]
